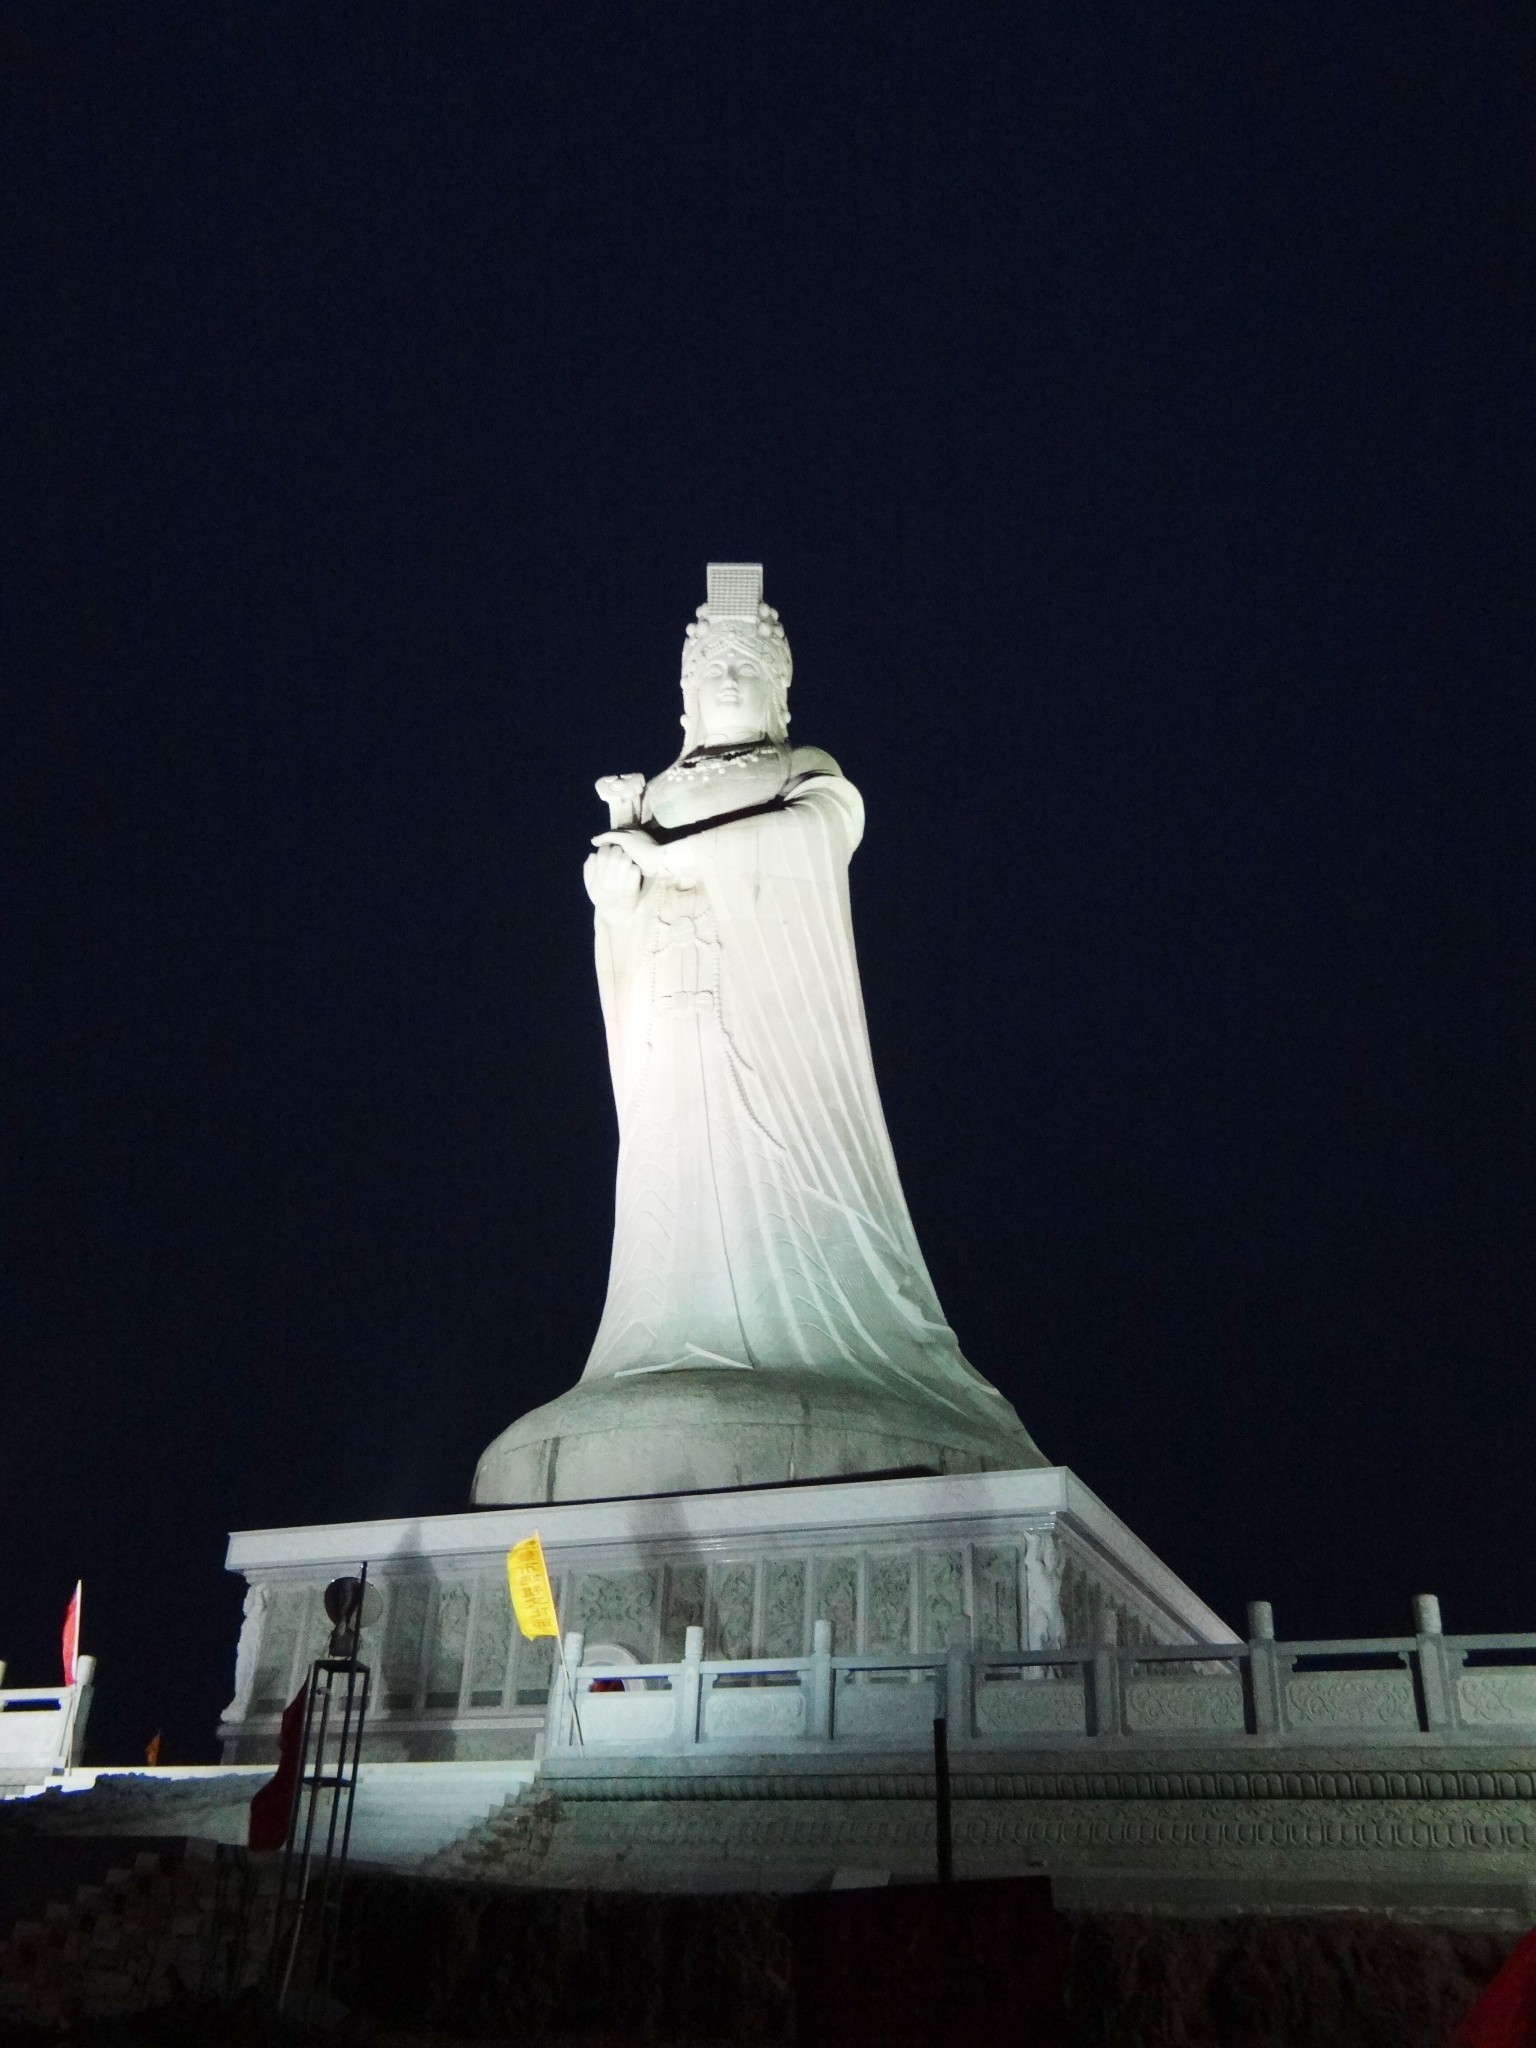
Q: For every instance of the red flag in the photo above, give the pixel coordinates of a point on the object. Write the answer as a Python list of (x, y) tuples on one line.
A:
[(72, 1634), (272, 1808), (1505, 2015)]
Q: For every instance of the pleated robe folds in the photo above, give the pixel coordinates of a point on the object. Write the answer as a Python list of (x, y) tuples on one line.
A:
[(760, 1221)]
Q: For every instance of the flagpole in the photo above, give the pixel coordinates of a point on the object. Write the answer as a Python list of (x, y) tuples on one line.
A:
[(533, 1602)]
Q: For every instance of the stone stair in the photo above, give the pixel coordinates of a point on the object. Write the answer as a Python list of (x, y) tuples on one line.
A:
[(503, 1848), (195, 1920), (406, 1815), (140, 1938)]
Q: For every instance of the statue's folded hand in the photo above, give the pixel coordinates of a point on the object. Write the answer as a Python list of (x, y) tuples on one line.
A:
[(636, 845), (613, 881), (677, 864)]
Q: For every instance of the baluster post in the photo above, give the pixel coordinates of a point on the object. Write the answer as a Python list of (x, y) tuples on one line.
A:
[(958, 1677), (1108, 1708), (690, 1719), (1263, 1670), (820, 1724), (1437, 1699), (85, 1680)]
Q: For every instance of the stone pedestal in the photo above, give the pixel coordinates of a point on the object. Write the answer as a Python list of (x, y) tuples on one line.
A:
[(984, 1560), (702, 1430)]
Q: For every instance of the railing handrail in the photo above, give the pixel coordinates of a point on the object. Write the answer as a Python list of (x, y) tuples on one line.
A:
[(708, 1667), (626, 1671), (1140, 1653), (887, 1660), (1066, 1653)]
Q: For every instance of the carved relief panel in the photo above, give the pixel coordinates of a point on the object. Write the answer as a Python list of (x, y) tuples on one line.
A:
[(837, 1600), (943, 1609), (317, 1630), (784, 1632), (1082, 1602), (282, 1620), (733, 1598), (405, 1621), (889, 1626), (996, 1574), (491, 1652), (248, 1649), (682, 1607), (618, 1607), (533, 1662), (1045, 1624), (449, 1642)]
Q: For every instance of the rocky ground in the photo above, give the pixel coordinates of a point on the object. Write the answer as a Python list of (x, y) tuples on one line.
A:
[(430, 1963)]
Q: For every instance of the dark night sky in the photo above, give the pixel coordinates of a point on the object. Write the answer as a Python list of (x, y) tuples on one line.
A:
[(1133, 408)]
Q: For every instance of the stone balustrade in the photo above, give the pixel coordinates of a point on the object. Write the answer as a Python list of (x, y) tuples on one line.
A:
[(1459, 1690), (42, 1727)]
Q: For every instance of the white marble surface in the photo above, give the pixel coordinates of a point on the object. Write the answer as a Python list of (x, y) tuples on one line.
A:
[(1021, 1560), (769, 1314), (403, 1813), (942, 1509)]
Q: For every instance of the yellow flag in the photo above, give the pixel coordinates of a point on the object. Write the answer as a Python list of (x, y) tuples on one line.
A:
[(533, 1598)]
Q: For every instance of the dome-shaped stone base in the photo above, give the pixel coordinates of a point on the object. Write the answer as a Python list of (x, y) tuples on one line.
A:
[(695, 1430)]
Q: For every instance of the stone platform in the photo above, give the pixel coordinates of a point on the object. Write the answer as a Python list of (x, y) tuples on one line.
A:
[(1006, 1561), (756, 1675), (1417, 1829), (404, 1814), (1393, 1774)]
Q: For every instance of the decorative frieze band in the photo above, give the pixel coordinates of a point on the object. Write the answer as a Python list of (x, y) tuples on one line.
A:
[(1476, 1832), (1242, 1785)]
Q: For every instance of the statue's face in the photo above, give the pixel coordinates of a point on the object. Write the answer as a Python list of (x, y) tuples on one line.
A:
[(735, 698)]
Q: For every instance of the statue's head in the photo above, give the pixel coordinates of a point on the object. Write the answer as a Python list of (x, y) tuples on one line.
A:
[(736, 663)]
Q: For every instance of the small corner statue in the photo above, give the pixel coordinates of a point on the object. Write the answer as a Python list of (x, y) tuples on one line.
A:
[(769, 1315)]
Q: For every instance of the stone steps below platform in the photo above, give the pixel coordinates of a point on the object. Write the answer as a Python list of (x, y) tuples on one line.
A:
[(406, 1813)]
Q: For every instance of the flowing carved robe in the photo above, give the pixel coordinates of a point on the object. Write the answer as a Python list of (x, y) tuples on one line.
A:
[(760, 1221)]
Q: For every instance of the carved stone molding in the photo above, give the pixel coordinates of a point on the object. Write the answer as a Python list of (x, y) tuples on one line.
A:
[(1288, 1783), (1482, 1830)]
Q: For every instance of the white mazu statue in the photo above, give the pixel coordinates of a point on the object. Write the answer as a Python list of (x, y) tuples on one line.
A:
[(769, 1314)]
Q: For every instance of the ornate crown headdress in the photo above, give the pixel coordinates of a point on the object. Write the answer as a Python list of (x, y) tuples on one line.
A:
[(734, 618)]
